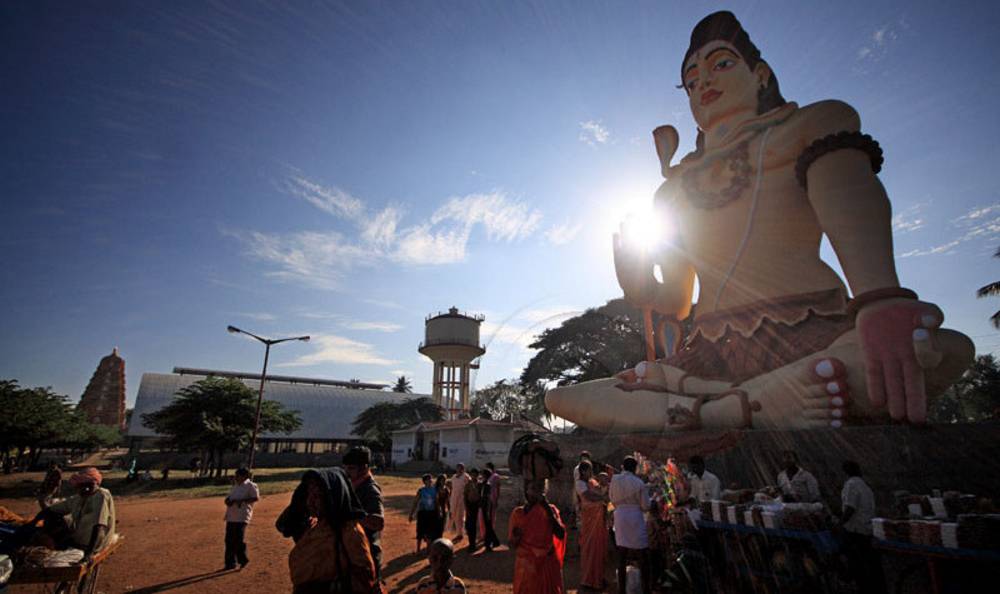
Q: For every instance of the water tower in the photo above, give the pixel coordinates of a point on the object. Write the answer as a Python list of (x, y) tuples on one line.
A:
[(451, 341)]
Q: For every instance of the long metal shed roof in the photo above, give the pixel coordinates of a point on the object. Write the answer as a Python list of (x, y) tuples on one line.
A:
[(326, 411)]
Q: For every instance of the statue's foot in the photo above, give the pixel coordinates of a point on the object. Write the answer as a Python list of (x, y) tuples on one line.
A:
[(814, 392), (602, 406), (828, 388)]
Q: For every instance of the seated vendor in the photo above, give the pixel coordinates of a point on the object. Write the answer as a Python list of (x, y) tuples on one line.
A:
[(85, 521)]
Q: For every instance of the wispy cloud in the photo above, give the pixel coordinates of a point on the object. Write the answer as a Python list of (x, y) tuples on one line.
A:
[(312, 258), (908, 220), (256, 316), (380, 230), (563, 233), (376, 326), (321, 259), (878, 43), (980, 225), (383, 303), (593, 132), (346, 322), (331, 348), (328, 199)]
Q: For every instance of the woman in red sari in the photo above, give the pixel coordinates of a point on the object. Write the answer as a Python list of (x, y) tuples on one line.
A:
[(593, 529), (539, 537)]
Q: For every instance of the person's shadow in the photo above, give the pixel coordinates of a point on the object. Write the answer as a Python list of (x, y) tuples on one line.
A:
[(398, 564), (193, 579)]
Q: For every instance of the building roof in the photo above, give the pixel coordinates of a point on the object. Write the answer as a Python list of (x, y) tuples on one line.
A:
[(327, 411), (523, 424), (291, 379)]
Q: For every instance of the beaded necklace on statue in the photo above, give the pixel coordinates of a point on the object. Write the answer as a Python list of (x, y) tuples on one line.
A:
[(732, 162)]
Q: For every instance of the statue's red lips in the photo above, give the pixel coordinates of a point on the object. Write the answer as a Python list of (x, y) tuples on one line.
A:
[(710, 96)]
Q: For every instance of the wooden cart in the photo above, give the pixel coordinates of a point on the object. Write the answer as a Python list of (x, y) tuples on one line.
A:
[(63, 580)]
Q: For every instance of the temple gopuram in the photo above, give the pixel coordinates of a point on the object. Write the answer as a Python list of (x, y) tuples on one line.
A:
[(103, 402)]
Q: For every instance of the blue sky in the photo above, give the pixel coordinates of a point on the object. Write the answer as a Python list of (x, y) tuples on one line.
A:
[(344, 169)]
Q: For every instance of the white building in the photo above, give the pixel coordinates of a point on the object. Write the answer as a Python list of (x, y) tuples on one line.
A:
[(472, 442), (327, 407)]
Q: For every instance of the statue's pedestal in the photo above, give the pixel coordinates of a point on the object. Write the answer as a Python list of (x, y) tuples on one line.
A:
[(964, 457)]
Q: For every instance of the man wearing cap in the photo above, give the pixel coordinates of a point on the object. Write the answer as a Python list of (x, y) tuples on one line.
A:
[(356, 463), (239, 510), (86, 520)]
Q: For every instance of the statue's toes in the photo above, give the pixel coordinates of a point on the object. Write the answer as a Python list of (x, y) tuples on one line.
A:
[(826, 404), (827, 369)]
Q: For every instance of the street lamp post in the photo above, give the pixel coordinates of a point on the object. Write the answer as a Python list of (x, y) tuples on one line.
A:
[(263, 374)]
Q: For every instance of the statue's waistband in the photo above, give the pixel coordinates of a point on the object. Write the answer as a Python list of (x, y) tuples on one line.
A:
[(788, 309)]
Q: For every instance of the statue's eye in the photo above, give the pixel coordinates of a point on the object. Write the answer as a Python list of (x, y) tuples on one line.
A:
[(691, 83), (723, 64)]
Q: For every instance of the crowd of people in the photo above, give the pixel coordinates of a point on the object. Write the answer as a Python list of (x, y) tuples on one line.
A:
[(637, 521), (336, 518)]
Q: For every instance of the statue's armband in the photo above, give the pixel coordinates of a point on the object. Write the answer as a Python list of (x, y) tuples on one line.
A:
[(836, 142)]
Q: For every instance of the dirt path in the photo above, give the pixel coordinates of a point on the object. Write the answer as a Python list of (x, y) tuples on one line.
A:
[(176, 545)]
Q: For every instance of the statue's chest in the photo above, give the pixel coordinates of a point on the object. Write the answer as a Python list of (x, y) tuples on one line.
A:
[(727, 178), (720, 180)]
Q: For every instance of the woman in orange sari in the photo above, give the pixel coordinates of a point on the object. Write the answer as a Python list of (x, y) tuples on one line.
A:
[(593, 529), (539, 537), (331, 552)]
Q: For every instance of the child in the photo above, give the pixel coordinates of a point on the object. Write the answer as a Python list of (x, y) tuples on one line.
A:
[(239, 509), (440, 555), (425, 507)]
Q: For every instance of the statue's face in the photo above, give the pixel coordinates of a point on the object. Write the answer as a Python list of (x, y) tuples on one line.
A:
[(719, 83)]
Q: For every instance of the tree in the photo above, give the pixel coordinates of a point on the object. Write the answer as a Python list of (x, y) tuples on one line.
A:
[(403, 385), (991, 290), (377, 422), (974, 397), (504, 400), (215, 416), (33, 419), (596, 344)]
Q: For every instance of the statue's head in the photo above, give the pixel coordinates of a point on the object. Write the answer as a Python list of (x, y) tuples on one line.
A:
[(723, 72)]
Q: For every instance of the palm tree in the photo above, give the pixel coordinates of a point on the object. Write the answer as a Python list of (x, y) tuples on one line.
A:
[(403, 385), (992, 289)]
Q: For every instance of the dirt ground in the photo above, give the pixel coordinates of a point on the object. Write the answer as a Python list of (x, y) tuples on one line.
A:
[(176, 545)]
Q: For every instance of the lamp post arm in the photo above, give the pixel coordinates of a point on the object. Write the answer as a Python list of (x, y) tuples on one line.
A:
[(280, 340)]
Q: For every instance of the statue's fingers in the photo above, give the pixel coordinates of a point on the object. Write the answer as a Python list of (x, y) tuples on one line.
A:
[(916, 394), (895, 390), (875, 383), (930, 316), (925, 349)]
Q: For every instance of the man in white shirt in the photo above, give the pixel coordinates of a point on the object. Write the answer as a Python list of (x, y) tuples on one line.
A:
[(630, 498), (239, 510), (797, 484), (456, 517), (705, 486), (858, 503)]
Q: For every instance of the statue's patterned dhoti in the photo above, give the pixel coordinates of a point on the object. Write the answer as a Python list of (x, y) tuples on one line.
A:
[(745, 342)]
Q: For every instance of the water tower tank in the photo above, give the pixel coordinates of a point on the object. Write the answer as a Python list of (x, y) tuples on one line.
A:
[(451, 341)]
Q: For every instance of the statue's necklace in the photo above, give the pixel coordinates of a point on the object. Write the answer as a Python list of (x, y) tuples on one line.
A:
[(736, 162)]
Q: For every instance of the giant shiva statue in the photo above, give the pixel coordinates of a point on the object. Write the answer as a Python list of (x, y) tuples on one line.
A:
[(776, 342)]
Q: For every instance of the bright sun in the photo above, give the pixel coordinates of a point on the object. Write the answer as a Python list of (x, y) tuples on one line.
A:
[(645, 230)]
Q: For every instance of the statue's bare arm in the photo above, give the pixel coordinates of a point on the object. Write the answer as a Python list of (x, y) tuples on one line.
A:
[(853, 210), (850, 202)]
